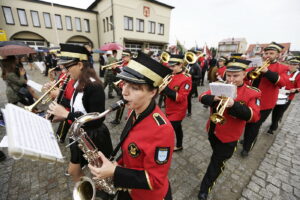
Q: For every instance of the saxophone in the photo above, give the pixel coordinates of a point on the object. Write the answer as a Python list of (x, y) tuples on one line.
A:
[(85, 188)]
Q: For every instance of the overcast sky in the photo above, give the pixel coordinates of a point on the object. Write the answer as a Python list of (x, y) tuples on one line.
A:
[(209, 21)]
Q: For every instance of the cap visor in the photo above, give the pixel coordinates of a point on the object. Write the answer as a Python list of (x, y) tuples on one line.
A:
[(130, 78)]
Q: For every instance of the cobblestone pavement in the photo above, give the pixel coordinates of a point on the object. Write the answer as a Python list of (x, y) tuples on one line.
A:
[(275, 175)]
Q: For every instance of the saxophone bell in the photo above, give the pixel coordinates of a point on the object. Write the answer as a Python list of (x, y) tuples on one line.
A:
[(84, 189)]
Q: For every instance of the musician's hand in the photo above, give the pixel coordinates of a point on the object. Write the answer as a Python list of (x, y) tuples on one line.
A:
[(230, 102), (106, 170), (58, 110), (217, 98), (264, 70)]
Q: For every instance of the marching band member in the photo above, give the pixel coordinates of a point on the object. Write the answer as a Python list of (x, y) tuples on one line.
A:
[(176, 97), (293, 86), (147, 140), (221, 68), (269, 83), (223, 137), (126, 56), (88, 97)]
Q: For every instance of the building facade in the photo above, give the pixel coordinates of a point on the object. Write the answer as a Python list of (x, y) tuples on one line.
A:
[(136, 24), (232, 45), (256, 50)]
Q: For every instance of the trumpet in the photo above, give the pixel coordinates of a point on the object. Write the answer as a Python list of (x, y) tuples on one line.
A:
[(164, 57), (111, 64), (117, 83), (165, 82), (256, 73), (32, 106), (218, 117)]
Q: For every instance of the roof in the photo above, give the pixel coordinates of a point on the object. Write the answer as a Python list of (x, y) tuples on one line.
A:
[(62, 6), (95, 3), (232, 39), (262, 46)]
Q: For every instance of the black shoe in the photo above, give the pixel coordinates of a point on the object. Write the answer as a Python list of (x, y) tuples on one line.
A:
[(202, 196), (2, 156), (244, 153), (270, 132), (178, 149), (115, 122), (189, 114), (61, 141), (111, 96), (241, 141), (205, 106)]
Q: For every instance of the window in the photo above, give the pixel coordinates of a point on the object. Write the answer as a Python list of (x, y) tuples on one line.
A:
[(107, 24), (58, 22), (86, 25), (35, 18), (151, 27), (104, 27), (139, 25), (22, 17), (69, 23), (128, 23), (9, 19), (111, 22), (47, 20), (133, 47), (78, 24), (161, 29)]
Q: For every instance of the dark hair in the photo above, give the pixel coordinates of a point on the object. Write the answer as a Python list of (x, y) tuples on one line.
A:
[(114, 51), (84, 78), (8, 65)]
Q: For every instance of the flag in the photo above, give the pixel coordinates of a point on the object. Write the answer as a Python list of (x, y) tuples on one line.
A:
[(180, 47), (207, 52)]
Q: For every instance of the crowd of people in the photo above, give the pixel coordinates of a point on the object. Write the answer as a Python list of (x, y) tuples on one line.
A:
[(153, 132)]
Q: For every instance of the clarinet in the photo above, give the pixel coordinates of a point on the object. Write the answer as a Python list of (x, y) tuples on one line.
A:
[(60, 96)]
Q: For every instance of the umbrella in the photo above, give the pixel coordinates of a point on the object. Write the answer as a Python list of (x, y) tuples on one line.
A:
[(11, 50), (111, 46), (98, 51)]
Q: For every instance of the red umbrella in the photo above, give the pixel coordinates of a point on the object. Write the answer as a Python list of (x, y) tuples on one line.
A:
[(111, 46), (11, 50)]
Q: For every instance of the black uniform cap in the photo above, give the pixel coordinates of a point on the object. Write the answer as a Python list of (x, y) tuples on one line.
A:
[(274, 46), (126, 53), (236, 55), (294, 61), (235, 65), (175, 58), (223, 58), (71, 53), (143, 69)]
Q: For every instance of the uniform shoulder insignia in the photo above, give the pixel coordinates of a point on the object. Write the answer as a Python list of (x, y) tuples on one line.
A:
[(253, 88), (159, 119)]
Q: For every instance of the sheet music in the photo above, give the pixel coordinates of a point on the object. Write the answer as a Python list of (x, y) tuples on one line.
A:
[(35, 85), (30, 136), (223, 89)]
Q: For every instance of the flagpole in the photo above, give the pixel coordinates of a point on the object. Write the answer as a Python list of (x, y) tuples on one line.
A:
[(54, 21)]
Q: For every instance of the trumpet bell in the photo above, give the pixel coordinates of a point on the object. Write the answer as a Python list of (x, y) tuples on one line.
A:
[(165, 57), (217, 118), (254, 75), (190, 58), (84, 189)]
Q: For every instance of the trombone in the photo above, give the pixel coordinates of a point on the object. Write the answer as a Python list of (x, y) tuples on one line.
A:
[(111, 64), (32, 106), (256, 73), (218, 117)]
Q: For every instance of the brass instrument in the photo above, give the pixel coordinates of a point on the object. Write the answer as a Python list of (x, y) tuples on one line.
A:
[(189, 58), (32, 106), (117, 83), (85, 189), (165, 82), (111, 64), (164, 57), (218, 117), (256, 73)]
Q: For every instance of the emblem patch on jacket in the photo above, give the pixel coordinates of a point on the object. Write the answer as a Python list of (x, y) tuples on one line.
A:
[(133, 150), (187, 86), (257, 102), (162, 155)]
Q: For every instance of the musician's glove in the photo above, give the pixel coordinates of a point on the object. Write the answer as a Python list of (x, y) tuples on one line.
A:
[(169, 93)]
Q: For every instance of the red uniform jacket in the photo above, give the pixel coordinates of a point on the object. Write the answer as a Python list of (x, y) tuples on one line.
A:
[(146, 157), (269, 84), (221, 71), (291, 84), (177, 92), (245, 109)]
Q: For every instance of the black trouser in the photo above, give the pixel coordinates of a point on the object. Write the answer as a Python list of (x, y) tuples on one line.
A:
[(221, 153), (178, 131), (252, 130), (47, 69), (203, 75), (161, 100), (277, 114), (190, 102)]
